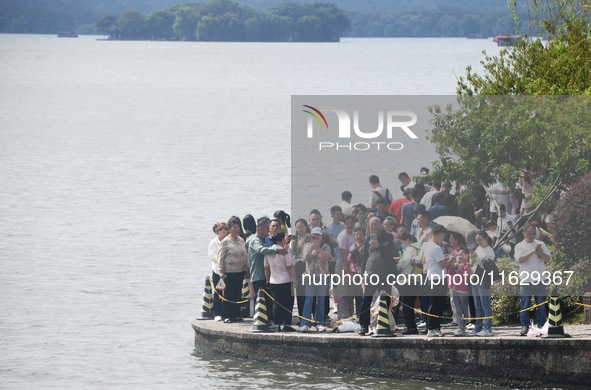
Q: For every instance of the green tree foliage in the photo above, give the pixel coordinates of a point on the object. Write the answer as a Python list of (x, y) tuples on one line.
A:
[(226, 20), (570, 221), (433, 19), (220, 20), (312, 22), (560, 67), (487, 136), (185, 21), (107, 24), (225, 27), (131, 25), (549, 136), (265, 26), (159, 24)]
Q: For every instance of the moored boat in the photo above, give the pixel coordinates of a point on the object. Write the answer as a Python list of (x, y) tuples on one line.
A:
[(507, 40)]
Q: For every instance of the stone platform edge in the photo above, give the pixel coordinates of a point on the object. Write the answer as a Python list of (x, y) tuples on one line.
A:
[(511, 362)]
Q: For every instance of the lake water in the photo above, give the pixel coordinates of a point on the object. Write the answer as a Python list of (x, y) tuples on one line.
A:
[(115, 160)]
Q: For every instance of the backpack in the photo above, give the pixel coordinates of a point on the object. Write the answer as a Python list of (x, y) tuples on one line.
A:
[(380, 195)]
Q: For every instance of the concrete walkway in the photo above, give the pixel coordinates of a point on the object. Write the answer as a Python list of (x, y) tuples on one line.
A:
[(501, 331)]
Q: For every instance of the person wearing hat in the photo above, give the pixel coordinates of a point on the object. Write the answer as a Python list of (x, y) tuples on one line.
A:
[(316, 257)]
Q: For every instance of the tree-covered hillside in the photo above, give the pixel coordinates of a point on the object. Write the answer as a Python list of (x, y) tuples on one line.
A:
[(226, 20), (368, 18)]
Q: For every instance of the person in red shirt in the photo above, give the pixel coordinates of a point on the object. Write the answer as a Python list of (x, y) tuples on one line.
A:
[(396, 205)]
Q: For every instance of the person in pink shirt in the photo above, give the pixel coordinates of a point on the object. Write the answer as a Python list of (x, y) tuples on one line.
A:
[(459, 285), (280, 276)]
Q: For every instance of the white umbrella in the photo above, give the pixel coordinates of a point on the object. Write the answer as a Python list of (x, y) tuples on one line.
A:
[(457, 224)]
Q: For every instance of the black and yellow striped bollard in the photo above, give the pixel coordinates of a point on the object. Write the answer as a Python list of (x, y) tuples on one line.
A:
[(260, 322), (555, 328), (245, 295), (207, 305), (383, 322)]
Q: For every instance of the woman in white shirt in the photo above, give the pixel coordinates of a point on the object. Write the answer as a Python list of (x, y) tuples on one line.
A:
[(280, 275), (221, 231), (481, 291)]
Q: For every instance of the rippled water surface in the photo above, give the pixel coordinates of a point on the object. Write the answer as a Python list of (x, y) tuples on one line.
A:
[(115, 160)]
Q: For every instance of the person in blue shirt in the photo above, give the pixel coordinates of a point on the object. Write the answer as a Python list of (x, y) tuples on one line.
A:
[(438, 209)]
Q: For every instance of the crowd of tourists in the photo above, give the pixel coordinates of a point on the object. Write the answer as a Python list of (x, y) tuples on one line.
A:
[(369, 245)]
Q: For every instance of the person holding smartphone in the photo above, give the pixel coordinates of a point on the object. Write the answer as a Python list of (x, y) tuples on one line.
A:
[(379, 254), (532, 255), (316, 256)]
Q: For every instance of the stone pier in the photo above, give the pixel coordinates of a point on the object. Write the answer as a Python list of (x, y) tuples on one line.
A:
[(504, 360)]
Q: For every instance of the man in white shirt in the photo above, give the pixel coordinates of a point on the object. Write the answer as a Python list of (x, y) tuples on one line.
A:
[(427, 198), (405, 181), (377, 192), (435, 264), (423, 233), (532, 255), (345, 204)]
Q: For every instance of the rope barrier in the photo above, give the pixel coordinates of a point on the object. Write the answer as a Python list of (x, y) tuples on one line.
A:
[(419, 311), (285, 308), (338, 322), (222, 297), (308, 319), (465, 318), (532, 307)]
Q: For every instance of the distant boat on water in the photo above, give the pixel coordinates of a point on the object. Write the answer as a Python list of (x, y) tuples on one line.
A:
[(67, 34), (506, 40), (477, 36)]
